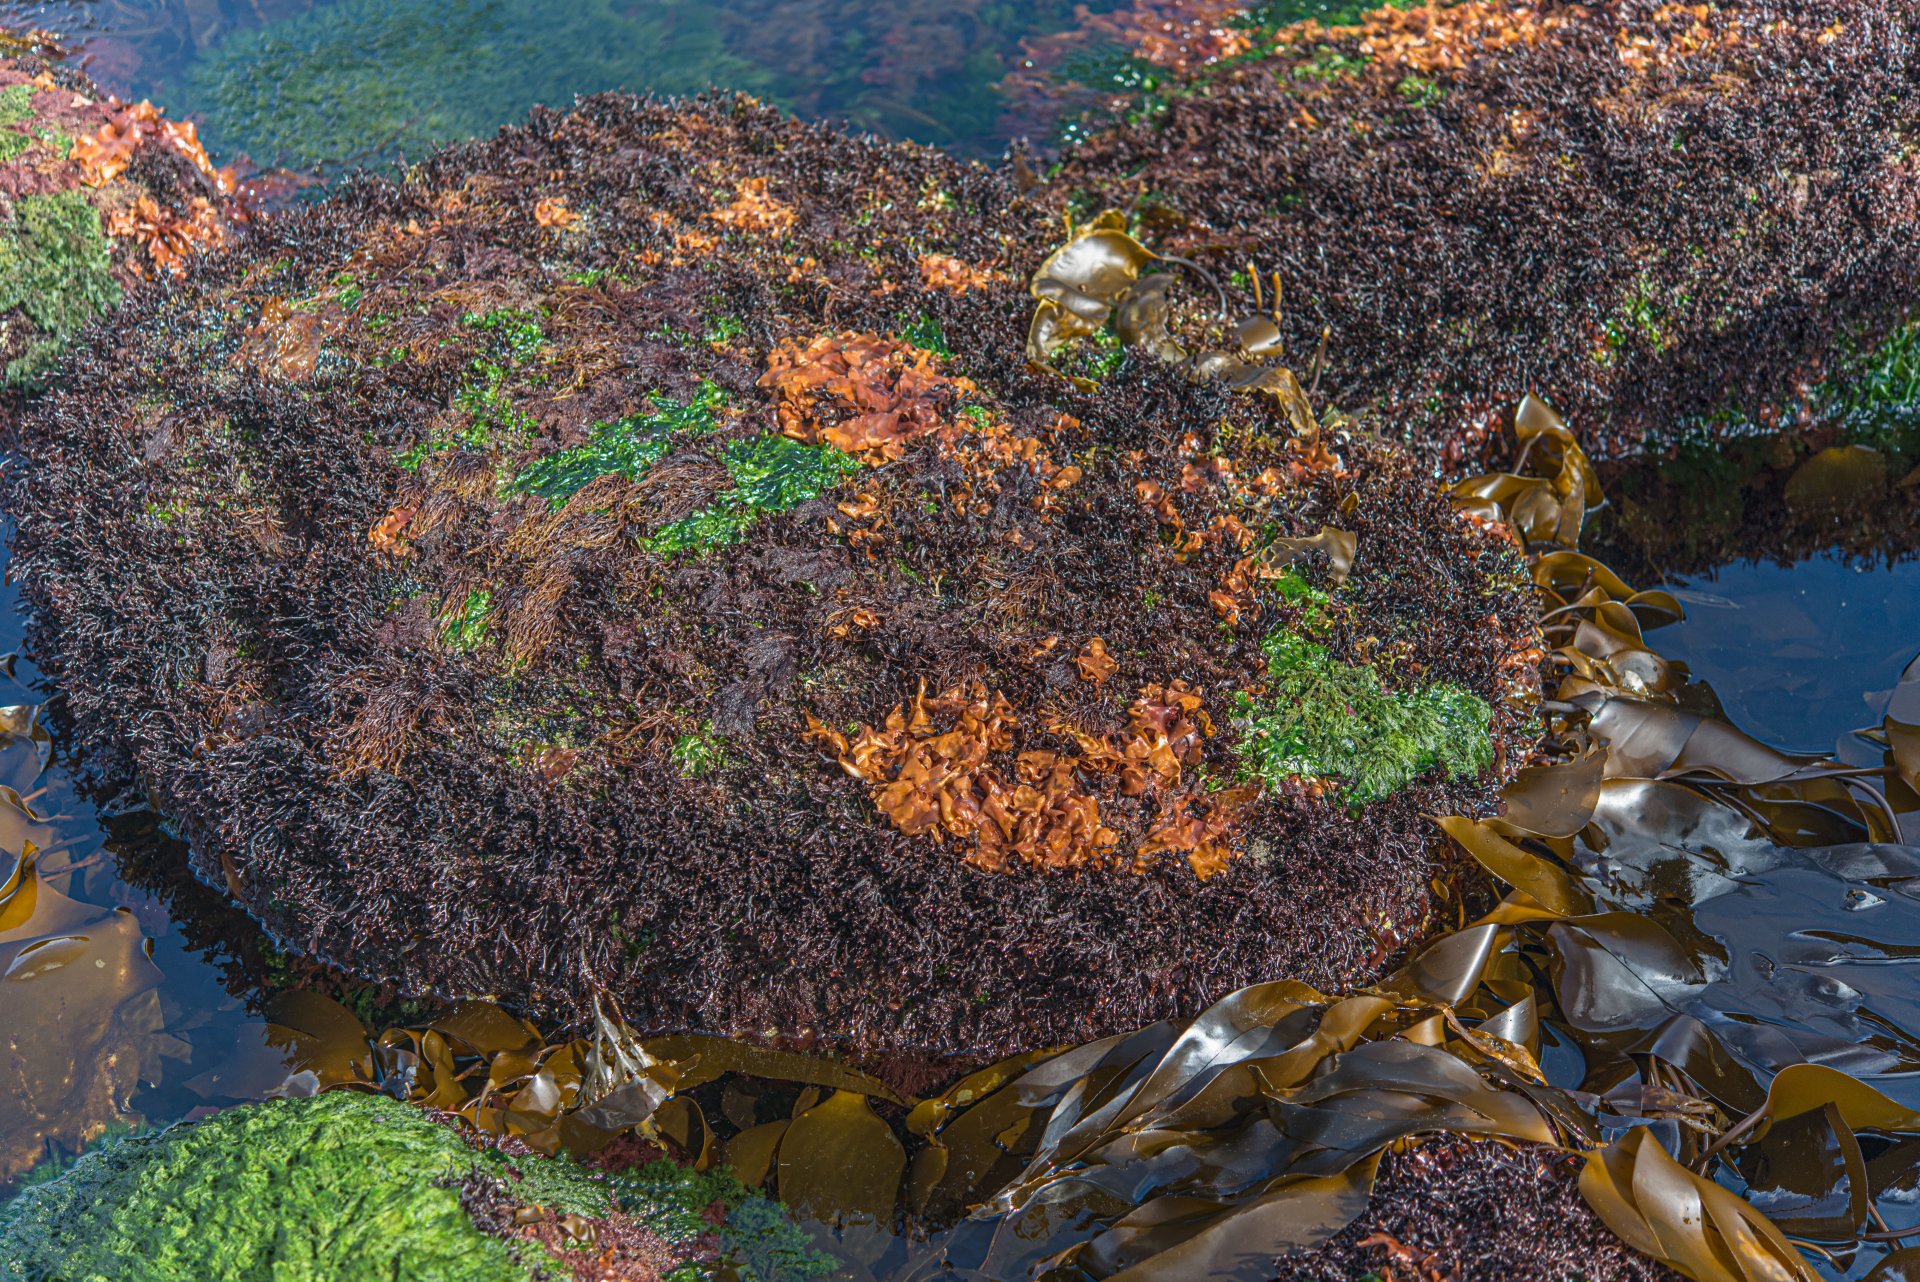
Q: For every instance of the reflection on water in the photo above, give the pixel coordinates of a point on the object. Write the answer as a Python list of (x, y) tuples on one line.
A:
[(307, 82), (124, 1031), (1799, 655), (130, 992)]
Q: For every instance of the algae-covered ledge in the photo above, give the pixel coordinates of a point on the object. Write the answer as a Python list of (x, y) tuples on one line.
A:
[(786, 659)]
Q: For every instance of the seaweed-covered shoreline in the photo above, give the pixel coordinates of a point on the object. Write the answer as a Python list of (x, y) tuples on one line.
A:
[(1666, 217)]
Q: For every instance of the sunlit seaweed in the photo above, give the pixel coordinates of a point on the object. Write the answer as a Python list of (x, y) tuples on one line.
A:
[(589, 701), (1256, 1129), (1564, 197)]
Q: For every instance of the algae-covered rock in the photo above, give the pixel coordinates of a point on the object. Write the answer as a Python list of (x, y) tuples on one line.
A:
[(340, 1184), (1647, 212), (354, 1186), (637, 553)]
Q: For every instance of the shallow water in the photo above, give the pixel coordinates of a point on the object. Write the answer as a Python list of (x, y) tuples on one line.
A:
[(307, 82), (1801, 655)]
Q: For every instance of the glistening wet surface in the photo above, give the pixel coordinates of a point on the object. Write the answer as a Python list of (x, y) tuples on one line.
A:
[(302, 84), (1799, 655)]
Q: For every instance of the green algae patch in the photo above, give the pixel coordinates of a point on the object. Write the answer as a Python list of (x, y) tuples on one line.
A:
[(1323, 719), (463, 625), (337, 1186), (771, 474), (55, 266), (627, 446), (16, 109)]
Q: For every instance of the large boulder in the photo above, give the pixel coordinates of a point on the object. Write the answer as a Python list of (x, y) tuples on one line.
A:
[(1666, 218), (636, 554)]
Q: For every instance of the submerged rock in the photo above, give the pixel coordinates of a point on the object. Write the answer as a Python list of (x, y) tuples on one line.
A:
[(635, 553), (348, 1184)]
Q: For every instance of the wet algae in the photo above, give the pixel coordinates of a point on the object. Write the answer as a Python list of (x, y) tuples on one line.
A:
[(351, 1185), (621, 637)]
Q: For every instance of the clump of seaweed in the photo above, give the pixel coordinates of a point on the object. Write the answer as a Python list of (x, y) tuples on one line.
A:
[(80, 221), (1320, 719), (577, 522), (1494, 198)]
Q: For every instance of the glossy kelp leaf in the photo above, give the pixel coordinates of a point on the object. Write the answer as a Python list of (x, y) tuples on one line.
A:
[(1550, 885), (840, 1164), (319, 1036), (1805, 1088), (1179, 1238), (1650, 740), (1568, 575), (1661, 1209), (1806, 1174), (706, 1059), (1900, 1266), (1620, 971), (1095, 279), (25, 745), (484, 1029), (930, 1114), (1080, 284), (1339, 546), (1551, 508), (81, 1013), (750, 1154), (1554, 800)]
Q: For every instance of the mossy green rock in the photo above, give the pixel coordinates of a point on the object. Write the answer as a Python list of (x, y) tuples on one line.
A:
[(340, 1186)]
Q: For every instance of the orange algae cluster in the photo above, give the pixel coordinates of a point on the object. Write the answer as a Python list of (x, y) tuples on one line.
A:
[(939, 782), (168, 236), (931, 770), (755, 210), (869, 396)]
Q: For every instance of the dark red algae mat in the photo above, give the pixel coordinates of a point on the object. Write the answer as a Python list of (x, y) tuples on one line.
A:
[(1651, 213), (582, 567)]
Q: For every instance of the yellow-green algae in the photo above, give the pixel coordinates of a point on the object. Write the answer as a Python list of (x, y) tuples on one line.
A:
[(55, 267), (346, 1186), (340, 1186), (1319, 718)]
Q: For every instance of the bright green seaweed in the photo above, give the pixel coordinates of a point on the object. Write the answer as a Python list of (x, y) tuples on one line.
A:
[(1323, 719), (345, 1187), (771, 474), (628, 446), (341, 1186), (56, 268)]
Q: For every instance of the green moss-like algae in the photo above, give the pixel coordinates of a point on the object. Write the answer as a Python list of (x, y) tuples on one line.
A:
[(627, 445), (16, 108), (760, 1241), (771, 474), (1324, 719), (55, 267), (340, 1186), (345, 1187)]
